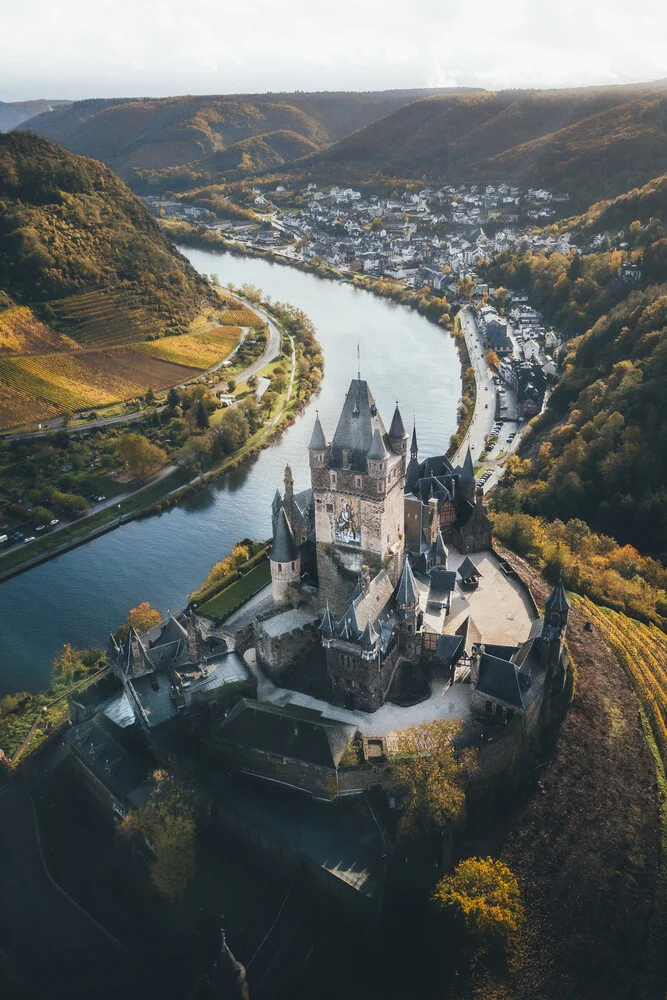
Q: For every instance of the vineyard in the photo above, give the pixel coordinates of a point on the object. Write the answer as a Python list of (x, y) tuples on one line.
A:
[(40, 386), (201, 350), (643, 651), (103, 318), (241, 317), (22, 333)]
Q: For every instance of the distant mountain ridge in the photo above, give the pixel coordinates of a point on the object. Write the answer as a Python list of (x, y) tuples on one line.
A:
[(595, 142), (153, 134), (13, 113)]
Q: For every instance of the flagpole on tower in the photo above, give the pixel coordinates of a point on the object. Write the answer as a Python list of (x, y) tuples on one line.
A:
[(358, 362)]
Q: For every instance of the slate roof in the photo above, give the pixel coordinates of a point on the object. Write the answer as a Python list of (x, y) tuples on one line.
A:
[(288, 621), (115, 756), (443, 582), (413, 444), (326, 626), (468, 569), (501, 680), (557, 600), (318, 441), (369, 636), (378, 451), (288, 730), (468, 471), (284, 548), (354, 433), (373, 603), (406, 591), (449, 647), (397, 429)]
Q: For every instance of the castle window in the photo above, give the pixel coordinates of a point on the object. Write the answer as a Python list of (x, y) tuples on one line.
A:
[(332, 476), (330, 508), (320, 457), (381, 486), (357, 482), (292, 565), (280, 569)]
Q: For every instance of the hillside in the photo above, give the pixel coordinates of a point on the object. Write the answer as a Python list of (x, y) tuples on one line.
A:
[(84, 269), (154, 134), (594, 142), (647, 204), (14, 113)]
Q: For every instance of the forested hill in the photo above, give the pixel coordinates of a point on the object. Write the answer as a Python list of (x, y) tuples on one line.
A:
[(154, 134), (594, 142), (69, 226), (601, 448), (14, 113)]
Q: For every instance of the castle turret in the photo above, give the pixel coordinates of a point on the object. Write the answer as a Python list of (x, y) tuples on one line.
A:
[(407, 597), (557, 607), (467, 477), (554, 659), (398, 437), (285, 562), (414, 450), (318, 448), (289, 485), (377, 456)]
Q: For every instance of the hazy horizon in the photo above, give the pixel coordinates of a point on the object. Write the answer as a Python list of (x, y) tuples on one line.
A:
[(129, 49)]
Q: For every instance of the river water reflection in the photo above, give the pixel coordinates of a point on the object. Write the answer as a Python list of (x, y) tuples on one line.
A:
[(83, 594)]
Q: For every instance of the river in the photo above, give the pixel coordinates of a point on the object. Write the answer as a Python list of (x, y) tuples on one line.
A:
[(82, 595)]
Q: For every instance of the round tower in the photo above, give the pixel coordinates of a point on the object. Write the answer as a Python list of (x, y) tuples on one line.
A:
[(398, 437), (285, 562)]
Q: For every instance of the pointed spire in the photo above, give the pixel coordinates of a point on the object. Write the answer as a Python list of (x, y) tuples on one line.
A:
[(468, 466), (378, 450), (289, 483), (318, 441), (284, 548), (557, 600), (277, 502), (414, 450), (406, 592), (369, 636), (326, 626), (397, 429), (441, 550)]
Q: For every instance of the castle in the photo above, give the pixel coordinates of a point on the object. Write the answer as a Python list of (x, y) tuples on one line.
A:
[(360, 567)]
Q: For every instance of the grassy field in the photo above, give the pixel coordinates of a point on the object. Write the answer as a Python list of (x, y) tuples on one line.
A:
[(248, 585)]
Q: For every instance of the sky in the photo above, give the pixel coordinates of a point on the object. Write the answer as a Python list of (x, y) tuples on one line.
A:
[(130, 48)]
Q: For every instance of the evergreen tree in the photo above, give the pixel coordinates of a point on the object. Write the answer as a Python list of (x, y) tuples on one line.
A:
[(201, 416)]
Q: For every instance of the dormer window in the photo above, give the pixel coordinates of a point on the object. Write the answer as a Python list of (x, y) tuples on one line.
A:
[(346, 458)]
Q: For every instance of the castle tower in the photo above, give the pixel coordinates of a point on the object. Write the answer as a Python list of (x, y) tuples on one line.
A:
[(397, 433), (552, 641), (289, 485), (467, 477), (358, 483), (285, 562)]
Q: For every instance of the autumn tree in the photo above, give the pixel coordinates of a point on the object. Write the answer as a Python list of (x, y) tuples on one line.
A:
[(143, 617), (138, 455), (492, 359), (428, 778), (466, 286), (167, 822), (173, 398), (483, 894), (253, 382)]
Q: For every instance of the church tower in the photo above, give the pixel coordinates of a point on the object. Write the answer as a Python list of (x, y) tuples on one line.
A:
[(358, 483)]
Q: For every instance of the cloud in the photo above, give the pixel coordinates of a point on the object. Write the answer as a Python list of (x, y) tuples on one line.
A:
[(126, 48)]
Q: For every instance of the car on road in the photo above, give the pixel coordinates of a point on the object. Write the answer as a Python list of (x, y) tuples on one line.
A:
[(30, 538), (18, 536), (40, 527), (512, 436), (100, 499), (53, 522)]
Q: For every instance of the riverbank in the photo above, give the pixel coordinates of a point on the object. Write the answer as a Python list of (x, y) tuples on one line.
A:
[(170, 489)]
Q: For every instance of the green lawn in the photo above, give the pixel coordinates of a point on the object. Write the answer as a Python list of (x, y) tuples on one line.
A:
[(224, 603)]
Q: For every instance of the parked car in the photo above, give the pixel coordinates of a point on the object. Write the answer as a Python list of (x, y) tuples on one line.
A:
[(53, 523), (30, 538), (100, 499), (18, 536), (40, 527), (4, 538)]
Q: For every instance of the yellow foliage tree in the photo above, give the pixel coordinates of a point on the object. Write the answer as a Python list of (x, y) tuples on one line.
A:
[(167, 823), (138, 456), (144, 617), (485, 894), (428, 778)]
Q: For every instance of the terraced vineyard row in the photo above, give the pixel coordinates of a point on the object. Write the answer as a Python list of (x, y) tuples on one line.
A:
[(201, 350), (106, 317), (241, 317), (643, 651)]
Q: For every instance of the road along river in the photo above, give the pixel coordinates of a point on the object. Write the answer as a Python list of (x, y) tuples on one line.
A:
[(83, 594)]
